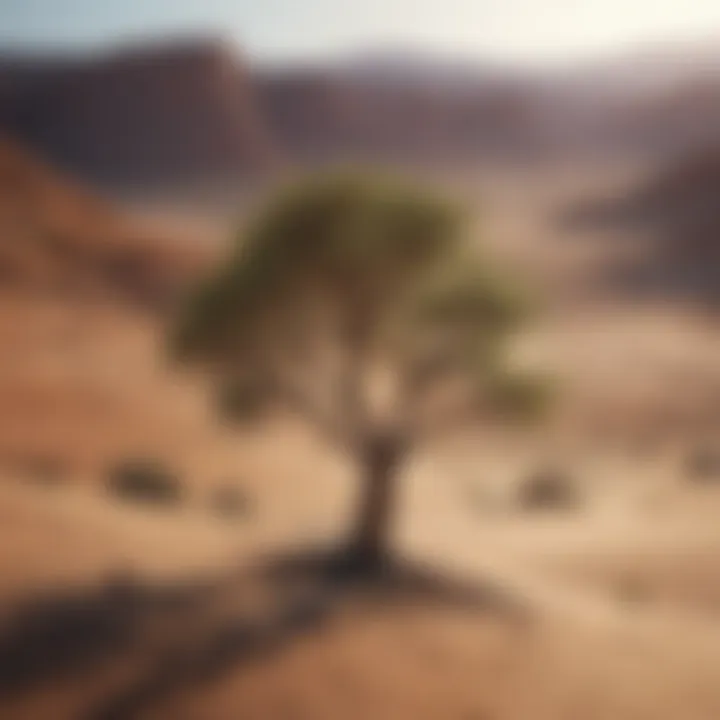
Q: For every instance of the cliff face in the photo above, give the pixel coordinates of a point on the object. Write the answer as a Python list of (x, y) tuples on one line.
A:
[(153, 116), (330, 116), (56, 237), (194, 113)]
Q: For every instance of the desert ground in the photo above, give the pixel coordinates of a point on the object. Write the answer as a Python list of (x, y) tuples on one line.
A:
[(605, 611)]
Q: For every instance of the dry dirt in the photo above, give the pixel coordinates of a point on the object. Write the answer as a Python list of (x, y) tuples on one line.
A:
[(620, 598)]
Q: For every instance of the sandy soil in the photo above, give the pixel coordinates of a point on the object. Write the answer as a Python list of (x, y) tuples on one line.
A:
[(621, 596)]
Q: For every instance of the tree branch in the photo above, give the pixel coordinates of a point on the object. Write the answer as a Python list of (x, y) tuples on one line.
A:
[(464, 410), (295, 392), (423, 374)]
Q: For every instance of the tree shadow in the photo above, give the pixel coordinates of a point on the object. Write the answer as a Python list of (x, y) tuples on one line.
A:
[(70, 635), (54, 636), (314, 587), (395, 581)]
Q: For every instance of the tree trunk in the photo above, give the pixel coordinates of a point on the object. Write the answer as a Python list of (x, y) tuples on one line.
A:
[(380, 461)]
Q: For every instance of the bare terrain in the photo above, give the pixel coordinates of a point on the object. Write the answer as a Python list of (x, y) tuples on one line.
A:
[(607, 611)]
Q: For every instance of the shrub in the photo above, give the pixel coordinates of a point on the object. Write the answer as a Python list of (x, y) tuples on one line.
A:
[(633, 591), (239, 402), (48, 471), (145, 481), (549, 489), (230, 502), (703, 465), (42, 469), (481, 499)]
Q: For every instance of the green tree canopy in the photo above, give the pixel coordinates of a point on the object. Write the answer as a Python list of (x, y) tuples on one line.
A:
[(358, 303)]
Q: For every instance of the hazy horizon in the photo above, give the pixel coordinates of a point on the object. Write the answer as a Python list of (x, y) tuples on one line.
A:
[(507, 31)]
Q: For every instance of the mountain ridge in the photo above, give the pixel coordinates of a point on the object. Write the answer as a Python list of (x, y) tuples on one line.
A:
[(199, 110)]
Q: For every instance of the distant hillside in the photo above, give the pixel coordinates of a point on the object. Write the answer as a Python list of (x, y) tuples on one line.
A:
[(678, 119), (674, 218), (683, 203), (189, 113), (339, 115), (195, 114), (57, 238), (160, 115)]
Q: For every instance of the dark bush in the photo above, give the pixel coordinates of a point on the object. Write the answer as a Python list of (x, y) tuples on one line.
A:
[(703, 465), (479, 498), (633, 591), (42, 469), (240, 402), (230, 502), (145, 481), (549, 489)]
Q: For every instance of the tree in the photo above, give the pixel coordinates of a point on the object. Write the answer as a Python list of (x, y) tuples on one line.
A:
[(356, 303)]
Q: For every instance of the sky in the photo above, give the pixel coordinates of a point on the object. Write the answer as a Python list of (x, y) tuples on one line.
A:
[(512, 30)]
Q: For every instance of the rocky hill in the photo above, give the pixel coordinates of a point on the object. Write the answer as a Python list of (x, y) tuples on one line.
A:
[(326, 115), (150, 115), (56, 237), (197, 113), (190, 113)]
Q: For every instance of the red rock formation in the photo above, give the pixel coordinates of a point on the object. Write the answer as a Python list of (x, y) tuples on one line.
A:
[(160, 115), (56, 237)]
